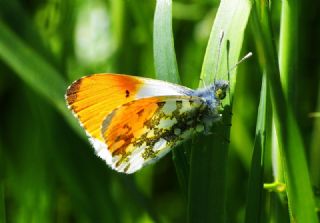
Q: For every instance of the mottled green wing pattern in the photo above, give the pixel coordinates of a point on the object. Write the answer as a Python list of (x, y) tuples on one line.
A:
[(142, 131)]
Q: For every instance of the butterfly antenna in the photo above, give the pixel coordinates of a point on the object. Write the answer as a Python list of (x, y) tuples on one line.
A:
[(219, 54), (248, 55)]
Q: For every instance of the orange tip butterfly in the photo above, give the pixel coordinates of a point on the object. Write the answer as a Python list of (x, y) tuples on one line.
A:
[(133, 121)]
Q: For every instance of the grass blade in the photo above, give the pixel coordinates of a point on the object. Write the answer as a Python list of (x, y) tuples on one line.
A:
[(209, 159), (231, 18), (299, 192), (288, 48), (35, 71), (163, 45), (167, 69), (255, 187)]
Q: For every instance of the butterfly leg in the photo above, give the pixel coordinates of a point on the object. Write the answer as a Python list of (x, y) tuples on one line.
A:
[(209, 120)]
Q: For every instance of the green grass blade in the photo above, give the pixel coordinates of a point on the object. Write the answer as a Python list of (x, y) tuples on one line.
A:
[(35, 71), (207, 181), (31, 67), (208, 165), (255, 187), (288, 48), (167, 69), (163, 45), (231, 18), (299, 191)]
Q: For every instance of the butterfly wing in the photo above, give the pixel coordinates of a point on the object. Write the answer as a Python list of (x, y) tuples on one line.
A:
[(92, 98), (142, 131)]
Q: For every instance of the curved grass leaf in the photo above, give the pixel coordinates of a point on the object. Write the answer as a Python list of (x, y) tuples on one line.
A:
[(231, 19), (167, 69), (209, 159), (163, 45), (288, 48), (35, 71), (255, 187), (299, 191)]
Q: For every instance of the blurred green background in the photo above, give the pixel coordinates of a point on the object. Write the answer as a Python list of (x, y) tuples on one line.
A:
[(48, 170)]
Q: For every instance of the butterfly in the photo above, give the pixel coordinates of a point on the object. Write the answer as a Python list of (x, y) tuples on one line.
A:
[(133, 121)]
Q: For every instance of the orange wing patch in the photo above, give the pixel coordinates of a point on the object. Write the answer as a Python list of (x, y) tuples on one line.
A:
[(93, 97), (128, 124), (142, 131)]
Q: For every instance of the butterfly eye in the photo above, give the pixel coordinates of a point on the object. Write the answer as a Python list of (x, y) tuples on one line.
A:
[(221, 88), (220, 93)]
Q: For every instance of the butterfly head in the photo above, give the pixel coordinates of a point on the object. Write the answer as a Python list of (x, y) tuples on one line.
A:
[(220, 89), (213, 94)]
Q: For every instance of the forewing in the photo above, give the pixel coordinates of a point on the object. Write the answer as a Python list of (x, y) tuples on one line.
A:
[(142, 131), (92, 98)]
